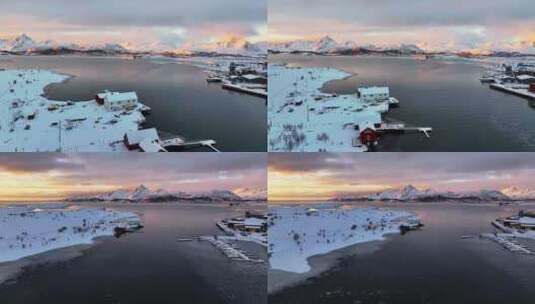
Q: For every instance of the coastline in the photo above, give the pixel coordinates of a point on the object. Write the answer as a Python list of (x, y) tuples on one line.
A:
[(11, 271), (278, 280)]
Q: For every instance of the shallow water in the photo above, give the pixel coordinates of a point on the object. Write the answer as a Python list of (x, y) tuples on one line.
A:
[(150, 266), (433, 265), (465, 115), (182, 102)]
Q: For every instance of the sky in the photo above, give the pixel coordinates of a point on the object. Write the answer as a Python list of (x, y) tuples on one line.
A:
[(51, 176), (180, 23), (431, 24), (321, 176)]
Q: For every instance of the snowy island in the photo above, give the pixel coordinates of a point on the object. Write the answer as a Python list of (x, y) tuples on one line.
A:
[(29, 122), (30, 230), (298, 233)]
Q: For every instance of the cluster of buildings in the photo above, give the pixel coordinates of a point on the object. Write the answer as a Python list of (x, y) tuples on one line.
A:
[(525, 220), (248, 77), (250, 223), (516, 79), (144, 140)]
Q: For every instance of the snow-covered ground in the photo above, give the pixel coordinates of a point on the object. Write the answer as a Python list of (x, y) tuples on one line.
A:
[(295, 233), (29, 230), (303, 119), (57, 125)]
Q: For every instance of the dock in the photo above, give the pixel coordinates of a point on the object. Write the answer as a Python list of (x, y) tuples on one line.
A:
[(508, 244), (228, 250), (401, 128), (525, 93), (238, 88)]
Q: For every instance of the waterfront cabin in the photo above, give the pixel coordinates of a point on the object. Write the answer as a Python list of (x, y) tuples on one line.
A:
[(373, 94), (116, 101), (250, 224), (134, 139), (369, 136)]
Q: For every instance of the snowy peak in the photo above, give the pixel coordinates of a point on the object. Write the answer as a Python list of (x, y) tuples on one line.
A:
[(252, 194), (519, 193), (325, 45), (232, 45), (140, 193), (20, 43)]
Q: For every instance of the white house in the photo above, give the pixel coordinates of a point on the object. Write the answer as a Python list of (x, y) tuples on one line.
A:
[(116, 101), (136, 138), (373, 94)]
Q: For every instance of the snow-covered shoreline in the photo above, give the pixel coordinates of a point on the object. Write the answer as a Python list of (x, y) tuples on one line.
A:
[(33, 229), (29, 122), (298, 233), (301, 118)]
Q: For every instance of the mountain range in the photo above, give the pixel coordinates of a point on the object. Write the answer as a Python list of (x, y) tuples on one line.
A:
[(144, 194), (328, 46), (411, 193), (24, 44)]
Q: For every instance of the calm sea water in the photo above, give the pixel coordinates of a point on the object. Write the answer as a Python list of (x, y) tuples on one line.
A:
[(150, 266), (182, 102), (433, 265), (465, 115)]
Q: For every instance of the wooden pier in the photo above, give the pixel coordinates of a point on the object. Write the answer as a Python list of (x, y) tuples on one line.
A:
[(508, 244), (401, 128), (178, 143), (238, 88)]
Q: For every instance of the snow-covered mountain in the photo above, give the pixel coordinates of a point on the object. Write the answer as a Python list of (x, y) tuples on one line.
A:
[(327, 45), (24, 44), (519, 193), (144, 194), (411, 193), (252, 194), (324, 45), (229, 46)]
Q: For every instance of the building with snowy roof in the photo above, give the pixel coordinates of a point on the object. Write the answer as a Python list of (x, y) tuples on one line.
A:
[(116, 101), (373, 94), (135, 139)]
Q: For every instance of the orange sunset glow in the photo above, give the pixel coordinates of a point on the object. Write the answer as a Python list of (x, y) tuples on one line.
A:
[(321, 177), (52, 176)]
